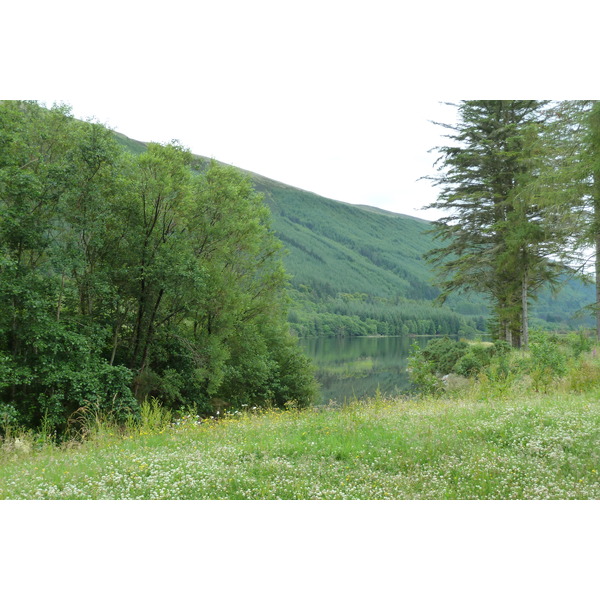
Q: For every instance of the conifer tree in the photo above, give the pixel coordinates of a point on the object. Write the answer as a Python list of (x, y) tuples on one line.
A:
[(499, 235), (575, 175)]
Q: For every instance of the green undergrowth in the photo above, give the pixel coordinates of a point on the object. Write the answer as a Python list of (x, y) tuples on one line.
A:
[(471, 444)]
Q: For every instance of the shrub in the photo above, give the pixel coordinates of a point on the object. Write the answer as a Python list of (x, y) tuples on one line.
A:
[(422, 373), (475, 360), (9, 417), (444, 353), (579, 343), (501, 348), (547, 362), (584, 376), (468, 365)]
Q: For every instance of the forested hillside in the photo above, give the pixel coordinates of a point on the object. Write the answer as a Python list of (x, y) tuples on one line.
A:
[(359, 270)]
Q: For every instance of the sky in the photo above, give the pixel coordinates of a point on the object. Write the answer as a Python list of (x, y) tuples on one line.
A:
[(339, 148), (333, 97)]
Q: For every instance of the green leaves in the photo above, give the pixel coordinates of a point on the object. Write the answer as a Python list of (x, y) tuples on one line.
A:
[(125, 276), (422, 373), (501, 238)]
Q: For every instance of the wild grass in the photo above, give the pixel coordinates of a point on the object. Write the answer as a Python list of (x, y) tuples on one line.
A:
[(464, 445)]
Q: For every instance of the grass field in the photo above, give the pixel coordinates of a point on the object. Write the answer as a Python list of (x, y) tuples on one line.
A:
[(544, 446)]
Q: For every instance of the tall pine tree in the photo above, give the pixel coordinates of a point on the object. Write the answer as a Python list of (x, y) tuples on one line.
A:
[(575, 175), (499, 234)]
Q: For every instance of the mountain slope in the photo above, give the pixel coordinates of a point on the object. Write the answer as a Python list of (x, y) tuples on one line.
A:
[(348, 248), (360, 270)]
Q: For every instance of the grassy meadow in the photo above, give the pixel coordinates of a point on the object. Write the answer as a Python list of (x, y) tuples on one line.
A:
[(477, 443)]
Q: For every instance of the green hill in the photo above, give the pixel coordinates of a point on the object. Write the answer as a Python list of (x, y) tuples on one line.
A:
[(359, 270)]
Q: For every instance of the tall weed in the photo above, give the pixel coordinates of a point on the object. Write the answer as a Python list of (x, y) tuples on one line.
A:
[(154, 418), (92, 423), (583, 376), (547, 361), (499, 379)]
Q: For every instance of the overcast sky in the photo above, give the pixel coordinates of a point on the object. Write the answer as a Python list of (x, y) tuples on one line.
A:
[(339, 147), (332, 97)]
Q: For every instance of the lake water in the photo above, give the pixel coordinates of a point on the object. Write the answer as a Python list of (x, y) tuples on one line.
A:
[(356, 366)]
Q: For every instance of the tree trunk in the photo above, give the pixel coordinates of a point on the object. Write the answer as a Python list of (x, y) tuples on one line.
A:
[(60, 297), (596, 233), (597, 282), (594, 124), (525, 315)]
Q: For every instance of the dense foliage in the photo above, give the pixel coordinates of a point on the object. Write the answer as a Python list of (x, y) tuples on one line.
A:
[(572, 179), (502, 236), (129, 276), (550, 358)]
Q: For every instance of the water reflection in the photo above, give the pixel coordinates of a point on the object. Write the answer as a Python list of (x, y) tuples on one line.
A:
[(355, 367)]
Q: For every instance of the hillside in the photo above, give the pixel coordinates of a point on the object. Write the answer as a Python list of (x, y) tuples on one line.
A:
[(358, 270)]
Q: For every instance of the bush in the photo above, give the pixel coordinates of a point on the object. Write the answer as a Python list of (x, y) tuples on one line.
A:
[(579, 343), (475, 360), (501, 348), (9, 417), (444, 353), (468, 365), (584, 377), (547, 362), (421, 373)]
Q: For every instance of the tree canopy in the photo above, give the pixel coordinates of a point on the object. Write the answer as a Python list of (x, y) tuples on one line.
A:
[(503, 234), (124, 277)]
